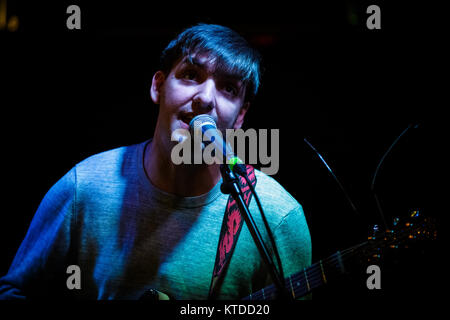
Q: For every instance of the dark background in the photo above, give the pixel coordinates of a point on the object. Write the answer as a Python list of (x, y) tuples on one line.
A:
[(67, 94)]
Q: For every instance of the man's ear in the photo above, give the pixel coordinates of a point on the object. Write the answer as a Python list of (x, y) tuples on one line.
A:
[(240, 118), (155, 89)]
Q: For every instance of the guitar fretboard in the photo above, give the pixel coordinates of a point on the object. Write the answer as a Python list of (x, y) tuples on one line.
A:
[(301, 283)]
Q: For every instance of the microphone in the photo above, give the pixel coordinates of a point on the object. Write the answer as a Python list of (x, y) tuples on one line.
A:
[(206, 125)]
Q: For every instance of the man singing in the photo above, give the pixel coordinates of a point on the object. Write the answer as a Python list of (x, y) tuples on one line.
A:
[(131, 220)]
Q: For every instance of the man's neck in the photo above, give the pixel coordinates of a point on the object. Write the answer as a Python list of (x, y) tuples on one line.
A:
[(183, 180)]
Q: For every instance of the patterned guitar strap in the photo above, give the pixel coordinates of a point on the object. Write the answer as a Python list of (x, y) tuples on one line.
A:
[(229, 233)]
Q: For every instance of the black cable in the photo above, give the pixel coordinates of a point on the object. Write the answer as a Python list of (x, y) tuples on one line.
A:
[(372, 185), (266, 224), (334, 177)]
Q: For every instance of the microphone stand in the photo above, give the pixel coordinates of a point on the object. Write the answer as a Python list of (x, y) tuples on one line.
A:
[(230, 185)]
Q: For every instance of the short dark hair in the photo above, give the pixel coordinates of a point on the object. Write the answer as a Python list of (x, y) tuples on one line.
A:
[(233, 53)]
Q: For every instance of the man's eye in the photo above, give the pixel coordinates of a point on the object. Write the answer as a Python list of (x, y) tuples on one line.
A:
[(231, 89), (190, 75)]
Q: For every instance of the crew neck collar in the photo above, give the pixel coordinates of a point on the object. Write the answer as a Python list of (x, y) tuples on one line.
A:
[(170, 199)]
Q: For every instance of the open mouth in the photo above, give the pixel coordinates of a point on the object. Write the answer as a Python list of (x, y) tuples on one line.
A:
[(186, 117)]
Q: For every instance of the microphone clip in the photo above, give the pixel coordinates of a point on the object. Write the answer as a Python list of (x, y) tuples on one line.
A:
[(229, 180)]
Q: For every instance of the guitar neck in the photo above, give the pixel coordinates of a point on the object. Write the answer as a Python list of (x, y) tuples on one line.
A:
[(318, 274)]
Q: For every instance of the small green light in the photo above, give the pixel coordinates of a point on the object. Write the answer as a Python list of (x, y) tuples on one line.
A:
[(233, 161)]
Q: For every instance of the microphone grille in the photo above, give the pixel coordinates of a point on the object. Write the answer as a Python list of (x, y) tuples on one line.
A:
[(199, 121)]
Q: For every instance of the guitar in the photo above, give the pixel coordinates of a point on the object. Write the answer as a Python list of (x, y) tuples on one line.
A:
[(321, 272)]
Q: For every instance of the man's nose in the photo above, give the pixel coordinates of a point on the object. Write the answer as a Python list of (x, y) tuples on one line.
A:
[(204, 100)]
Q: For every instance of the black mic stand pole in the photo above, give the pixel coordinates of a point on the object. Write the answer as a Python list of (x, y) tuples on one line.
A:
[(231, 186)]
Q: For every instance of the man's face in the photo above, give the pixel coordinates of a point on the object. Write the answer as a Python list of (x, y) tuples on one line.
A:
[(195, 87)]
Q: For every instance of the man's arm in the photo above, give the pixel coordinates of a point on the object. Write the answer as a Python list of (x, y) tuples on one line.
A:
[(293, 241), (40, 261)]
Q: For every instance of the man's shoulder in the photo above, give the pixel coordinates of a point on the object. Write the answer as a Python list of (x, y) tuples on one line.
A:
[(274, 195), (108, 160), (111, 165)]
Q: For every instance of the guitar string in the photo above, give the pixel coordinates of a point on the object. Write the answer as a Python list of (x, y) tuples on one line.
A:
[(313, 279), (387, 242), (316, 278)]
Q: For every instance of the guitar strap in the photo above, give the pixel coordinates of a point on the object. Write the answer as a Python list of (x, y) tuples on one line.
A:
[(229, 233)]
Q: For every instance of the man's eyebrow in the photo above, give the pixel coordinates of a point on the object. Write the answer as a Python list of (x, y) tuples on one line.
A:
[(193, 61)]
